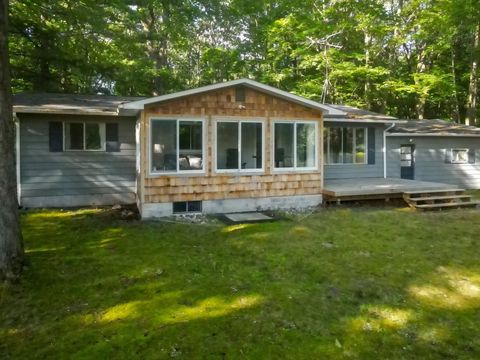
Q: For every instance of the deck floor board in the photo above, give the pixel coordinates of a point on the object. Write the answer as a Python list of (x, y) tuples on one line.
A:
[(379, 186)]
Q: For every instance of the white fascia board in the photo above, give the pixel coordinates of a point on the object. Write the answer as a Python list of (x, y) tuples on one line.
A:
[(431, 135), (139, 105), (62, 111), (360, 121)]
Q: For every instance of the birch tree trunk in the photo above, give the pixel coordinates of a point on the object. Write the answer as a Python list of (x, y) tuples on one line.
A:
[(11, 247), (471, 116)]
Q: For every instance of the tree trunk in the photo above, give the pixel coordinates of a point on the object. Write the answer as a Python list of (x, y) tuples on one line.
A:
[(368, 83), (456, 105), (11, 247), (471, 117), (422, 67)]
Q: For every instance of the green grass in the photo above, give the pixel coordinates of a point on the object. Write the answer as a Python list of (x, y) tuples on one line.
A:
[(354, 284)]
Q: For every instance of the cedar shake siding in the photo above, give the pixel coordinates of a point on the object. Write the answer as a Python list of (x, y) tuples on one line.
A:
[(214, 185)]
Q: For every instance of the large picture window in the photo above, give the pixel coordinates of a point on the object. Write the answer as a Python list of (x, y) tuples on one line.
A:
[(345, 145), (239, 146), (295, 145), (84, 136), (176, 145)]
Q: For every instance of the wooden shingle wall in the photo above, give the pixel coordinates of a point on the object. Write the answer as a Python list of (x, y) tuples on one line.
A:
[(217, 105)]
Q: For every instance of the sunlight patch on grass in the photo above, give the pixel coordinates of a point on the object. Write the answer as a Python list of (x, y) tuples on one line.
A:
[(232, 228), (121, 311), (209, 308), (300, 230), (434, 334), (58, 214), (212, 307), (379, 318), (45, 249), (459, 290)]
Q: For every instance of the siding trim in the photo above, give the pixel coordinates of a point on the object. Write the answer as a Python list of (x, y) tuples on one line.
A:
[(17, 153)]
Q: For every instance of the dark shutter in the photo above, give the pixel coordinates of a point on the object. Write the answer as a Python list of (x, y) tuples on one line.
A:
[(371, 145), (111, 137), (471, 156), (55, 136), (448, 156)]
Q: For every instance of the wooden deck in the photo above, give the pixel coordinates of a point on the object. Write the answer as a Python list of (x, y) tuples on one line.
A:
[(377, 188)]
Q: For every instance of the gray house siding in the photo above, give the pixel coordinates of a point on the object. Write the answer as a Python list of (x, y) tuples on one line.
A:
[(430, 159), (354, 171), (74, 178)]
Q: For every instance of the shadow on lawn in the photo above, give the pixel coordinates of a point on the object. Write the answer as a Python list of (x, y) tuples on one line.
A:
[(102, 288)]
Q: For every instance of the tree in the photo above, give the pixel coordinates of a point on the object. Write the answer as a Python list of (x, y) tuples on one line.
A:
[(11, 246)]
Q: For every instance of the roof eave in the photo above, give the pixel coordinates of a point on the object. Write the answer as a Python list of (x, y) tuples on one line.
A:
[(431, 134), (59, 111), (368, 121)]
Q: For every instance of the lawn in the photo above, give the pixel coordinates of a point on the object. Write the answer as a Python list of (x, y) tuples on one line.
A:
[(341, 283)]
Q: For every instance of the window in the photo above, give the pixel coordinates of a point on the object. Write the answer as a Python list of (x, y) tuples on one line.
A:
[(84, 136), (345, 145), (180, 207), (239, 146), (176, 145), (459, 156), (295, 145)]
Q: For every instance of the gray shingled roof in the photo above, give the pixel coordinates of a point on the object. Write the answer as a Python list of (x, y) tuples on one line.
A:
[(433, 128), (354, 113), (69, 103)]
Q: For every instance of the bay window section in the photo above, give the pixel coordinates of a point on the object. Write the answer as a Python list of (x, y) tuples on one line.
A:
[(239, 146), (295, 145), (345, 145), (176, 146)]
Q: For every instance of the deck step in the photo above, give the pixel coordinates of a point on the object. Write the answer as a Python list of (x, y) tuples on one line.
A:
[(435, 198), (439, 199), (448, 205), (434, 191)]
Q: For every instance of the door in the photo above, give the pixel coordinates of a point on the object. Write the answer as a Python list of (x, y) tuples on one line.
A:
[(407, 161)]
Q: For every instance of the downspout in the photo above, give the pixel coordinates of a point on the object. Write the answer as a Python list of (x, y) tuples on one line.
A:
[(385, 149), (17, 154)]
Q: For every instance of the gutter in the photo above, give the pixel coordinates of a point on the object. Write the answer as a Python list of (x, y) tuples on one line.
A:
[(17, 154), (385, 149)]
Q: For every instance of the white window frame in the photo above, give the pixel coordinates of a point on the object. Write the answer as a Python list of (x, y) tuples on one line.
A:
[(295, 167), (177, 127), (103, 135), (327, 153), (239, 145), (452, 161)]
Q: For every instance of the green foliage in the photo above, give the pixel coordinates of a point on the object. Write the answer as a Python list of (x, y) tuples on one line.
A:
[(409, 58)]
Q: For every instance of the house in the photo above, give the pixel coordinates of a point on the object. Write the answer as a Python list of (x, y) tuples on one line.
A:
[(229, 147), (435, 150)]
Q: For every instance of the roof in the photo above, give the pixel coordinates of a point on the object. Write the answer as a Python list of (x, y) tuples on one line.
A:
[(353, 114), (69, 103), (433, 128), (326, 109)]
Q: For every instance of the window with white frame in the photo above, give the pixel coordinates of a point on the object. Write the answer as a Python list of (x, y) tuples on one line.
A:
[(176, 145), (459, 156), (85, 136), (295, 145), (239, 145), (346, 145)]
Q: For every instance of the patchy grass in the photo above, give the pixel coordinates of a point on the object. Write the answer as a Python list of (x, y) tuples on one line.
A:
[(382, 284)]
